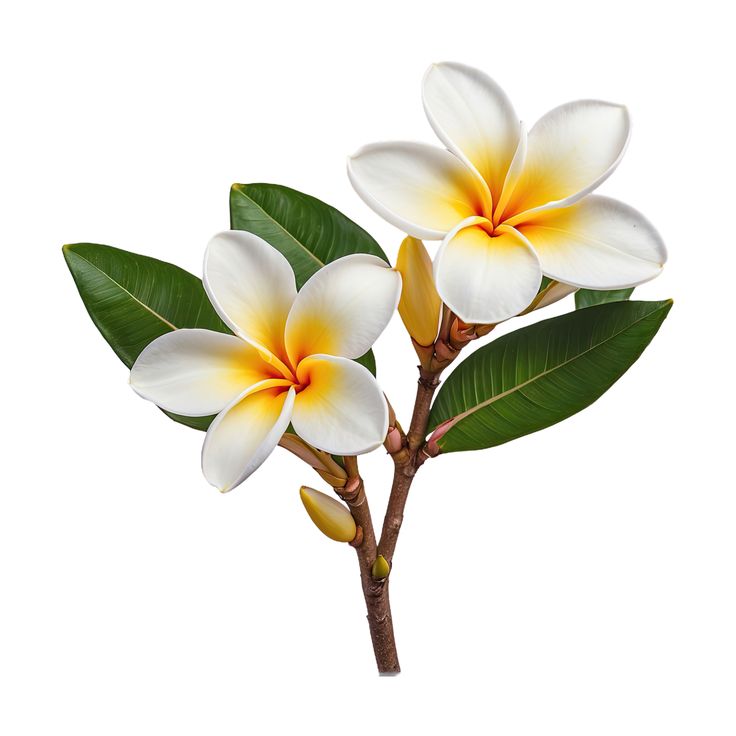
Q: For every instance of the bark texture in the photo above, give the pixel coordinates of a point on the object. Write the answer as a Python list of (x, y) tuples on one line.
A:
[(375, 592), (408, 452)]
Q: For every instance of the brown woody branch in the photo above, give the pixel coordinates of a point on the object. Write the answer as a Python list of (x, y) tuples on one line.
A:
[(408, 451), (375, 592)]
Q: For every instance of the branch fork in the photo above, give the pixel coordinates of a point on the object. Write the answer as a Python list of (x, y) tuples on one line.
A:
[(409, 451)]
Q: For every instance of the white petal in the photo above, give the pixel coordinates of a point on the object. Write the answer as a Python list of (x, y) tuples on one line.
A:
[(484, 279), (516, 169), (423, 190), (196, 372), (571, 151), (343, 308), (474, 118), (252, 287), (342, 410), (599, 243), (244, 434)]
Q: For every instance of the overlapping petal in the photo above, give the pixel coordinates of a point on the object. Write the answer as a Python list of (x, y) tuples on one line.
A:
[(541, 217), (571, 150), (245, 433), (486, 279), (341, 409), (513, 175), (423, 190), (343, 308), (252, 287), (598, 243), (474, 118), (196, 372)]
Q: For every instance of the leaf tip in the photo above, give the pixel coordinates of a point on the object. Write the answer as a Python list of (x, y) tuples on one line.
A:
[(666, 305)]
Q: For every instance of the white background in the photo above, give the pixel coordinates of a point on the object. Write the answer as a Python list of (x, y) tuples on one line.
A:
[(577, 581)]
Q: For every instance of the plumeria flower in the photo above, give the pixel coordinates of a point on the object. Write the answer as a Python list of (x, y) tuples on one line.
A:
[(289, 359), (510, 207)]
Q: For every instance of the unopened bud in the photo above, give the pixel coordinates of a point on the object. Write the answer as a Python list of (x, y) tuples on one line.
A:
[(420, 305), (328, 515), (460, 333), (433, 448), (380, 569), (393, 441)]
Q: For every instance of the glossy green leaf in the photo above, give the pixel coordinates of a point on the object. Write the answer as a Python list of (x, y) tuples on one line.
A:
[(134, 299), (368, 360), (308, 232), (539, 375), (589, 298), (546, 281)]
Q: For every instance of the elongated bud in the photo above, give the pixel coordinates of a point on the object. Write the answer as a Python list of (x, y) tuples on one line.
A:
[(433, 449), (380, 569), (420, 306), (328, 515)]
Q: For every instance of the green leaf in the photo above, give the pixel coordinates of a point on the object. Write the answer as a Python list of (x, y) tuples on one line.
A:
[(589, 298), (308, 232), (134, 299), (546, 281), (368, 360), (539, 375)]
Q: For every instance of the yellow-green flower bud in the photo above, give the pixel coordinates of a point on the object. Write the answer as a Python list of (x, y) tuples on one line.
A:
[(420, 305), (380, 569), (329, 515)]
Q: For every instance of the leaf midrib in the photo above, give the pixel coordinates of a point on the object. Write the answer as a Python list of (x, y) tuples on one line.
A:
[(122, 288), (468, 412), (281, 227)]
